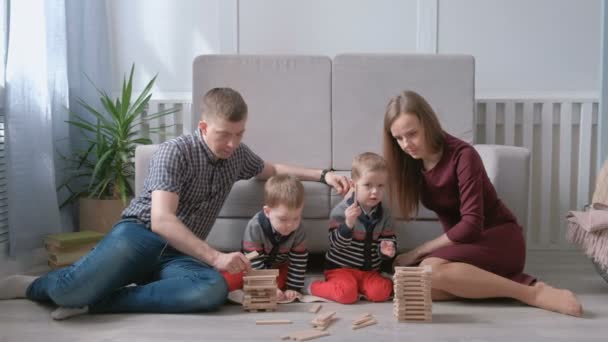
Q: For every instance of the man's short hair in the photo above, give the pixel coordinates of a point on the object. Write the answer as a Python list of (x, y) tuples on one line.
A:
[(366, 162), (284, 189), (224, 103)]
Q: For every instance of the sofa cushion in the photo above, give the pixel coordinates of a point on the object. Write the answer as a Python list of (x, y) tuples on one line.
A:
[(247, 198), (363, 84), (288, 99)]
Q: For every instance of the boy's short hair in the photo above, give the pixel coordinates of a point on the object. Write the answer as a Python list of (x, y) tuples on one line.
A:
[(366, 162), (284, 189), (224, 103)]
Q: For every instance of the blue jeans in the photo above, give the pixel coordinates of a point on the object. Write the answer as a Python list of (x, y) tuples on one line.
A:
[(166, 280)]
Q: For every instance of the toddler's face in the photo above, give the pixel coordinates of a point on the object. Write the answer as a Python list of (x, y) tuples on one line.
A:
[(370, 187), (284, 220)]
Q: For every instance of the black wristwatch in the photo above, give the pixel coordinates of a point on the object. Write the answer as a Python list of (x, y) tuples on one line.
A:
[(323, 173)]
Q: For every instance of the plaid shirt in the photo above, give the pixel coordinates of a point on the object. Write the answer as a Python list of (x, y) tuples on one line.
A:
[(186, 166)]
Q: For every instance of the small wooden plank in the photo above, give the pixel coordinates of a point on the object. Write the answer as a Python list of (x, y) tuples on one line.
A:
[(365, 324), (273, 321), (310, 335), (364, 318), (252, 255), (315, 308)]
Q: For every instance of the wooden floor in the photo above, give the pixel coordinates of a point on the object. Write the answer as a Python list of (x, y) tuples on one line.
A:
[(495, 320)]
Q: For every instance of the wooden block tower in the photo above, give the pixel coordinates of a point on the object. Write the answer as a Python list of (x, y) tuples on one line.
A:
[(260, 287), (412, 301)]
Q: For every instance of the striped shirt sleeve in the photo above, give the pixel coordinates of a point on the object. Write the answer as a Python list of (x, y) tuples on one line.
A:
[(340, 236), (298, 261)]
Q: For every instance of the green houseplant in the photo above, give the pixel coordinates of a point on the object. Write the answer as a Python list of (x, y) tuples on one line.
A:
[(105, 169)]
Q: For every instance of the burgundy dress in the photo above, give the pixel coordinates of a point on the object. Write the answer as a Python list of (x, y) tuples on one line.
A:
[(486, 233)]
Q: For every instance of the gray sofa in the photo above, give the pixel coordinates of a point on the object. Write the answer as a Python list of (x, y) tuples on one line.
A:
[(316, 112)]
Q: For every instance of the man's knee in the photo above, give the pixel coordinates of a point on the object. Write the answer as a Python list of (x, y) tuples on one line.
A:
[(206, 294)]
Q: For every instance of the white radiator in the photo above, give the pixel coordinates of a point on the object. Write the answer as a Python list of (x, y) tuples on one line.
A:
[(561, 135)]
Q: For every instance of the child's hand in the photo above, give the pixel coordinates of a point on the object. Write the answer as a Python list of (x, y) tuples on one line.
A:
[(280, 295), (351, 213), (387, 248), (291, 294)]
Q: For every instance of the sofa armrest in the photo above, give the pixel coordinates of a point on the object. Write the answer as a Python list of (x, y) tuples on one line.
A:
[(143, 154), (508, 168)]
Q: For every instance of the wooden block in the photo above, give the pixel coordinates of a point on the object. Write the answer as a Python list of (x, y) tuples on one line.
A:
[(252, 255), (273, 321), (315, 308), (364, 318), (324, 325), (365, 324), (312, 334), (268, 272), (324, 316)]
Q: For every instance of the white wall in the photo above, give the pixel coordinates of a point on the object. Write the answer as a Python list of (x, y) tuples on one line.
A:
[(327, 27), (162, 36), (521, 47)]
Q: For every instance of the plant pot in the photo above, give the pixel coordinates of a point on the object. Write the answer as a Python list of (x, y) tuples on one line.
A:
[(99, 215)]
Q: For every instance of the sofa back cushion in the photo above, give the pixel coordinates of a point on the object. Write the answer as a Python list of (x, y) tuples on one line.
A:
[(362, 85)]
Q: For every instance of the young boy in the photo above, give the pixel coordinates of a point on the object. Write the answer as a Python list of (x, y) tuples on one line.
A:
[(275, 234), (361, 237)]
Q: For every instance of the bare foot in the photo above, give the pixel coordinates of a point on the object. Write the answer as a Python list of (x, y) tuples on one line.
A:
[(558, 300)]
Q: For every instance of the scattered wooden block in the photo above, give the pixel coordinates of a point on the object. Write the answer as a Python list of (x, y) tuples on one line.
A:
[(315, 308), (273, 321), (364, 318), (322, 321), (304, 335), (365, 324)]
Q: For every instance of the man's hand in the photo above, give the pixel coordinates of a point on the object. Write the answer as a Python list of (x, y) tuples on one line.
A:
[(387, 248), (340, 183), (231, 262), (351, 213)]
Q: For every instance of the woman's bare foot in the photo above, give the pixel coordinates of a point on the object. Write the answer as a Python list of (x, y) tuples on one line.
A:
[(558, 300)]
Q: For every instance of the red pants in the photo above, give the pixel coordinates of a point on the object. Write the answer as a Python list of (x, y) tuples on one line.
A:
[(343, 285), (235, 281)]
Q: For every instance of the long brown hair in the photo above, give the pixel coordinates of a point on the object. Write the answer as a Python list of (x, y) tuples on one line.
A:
[(405, 172)]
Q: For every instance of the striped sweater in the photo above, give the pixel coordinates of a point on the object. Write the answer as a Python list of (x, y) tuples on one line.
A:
[(275, 249), (358, 247)]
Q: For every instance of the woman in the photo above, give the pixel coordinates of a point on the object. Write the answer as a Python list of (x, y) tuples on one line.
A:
[(482, 252)]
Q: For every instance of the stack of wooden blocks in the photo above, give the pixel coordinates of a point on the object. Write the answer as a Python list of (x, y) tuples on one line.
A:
[(412, 301), (260, 288)]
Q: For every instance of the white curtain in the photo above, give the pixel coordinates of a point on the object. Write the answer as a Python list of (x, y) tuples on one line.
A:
[(37, 102)]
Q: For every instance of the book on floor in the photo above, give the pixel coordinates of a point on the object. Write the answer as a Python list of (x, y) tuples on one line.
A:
[(72, 240)]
